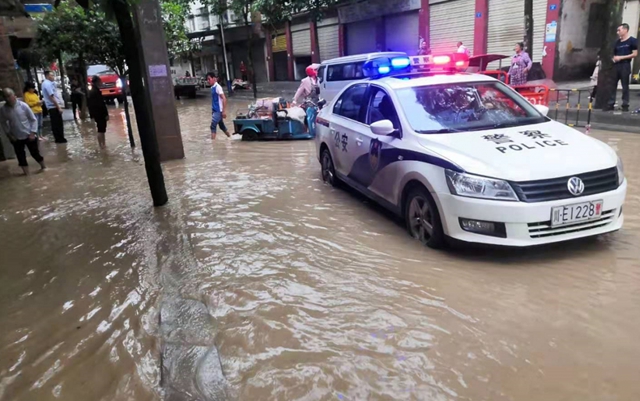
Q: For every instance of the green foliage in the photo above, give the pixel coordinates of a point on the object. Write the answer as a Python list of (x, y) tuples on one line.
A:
[(75, 31), (174, 17), (106, 46), (63, 30), (276, 11)]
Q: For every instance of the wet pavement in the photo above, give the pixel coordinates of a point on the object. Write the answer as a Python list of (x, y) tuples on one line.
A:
[(259, 282)]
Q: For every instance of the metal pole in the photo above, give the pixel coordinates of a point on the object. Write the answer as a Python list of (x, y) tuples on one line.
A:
[(578, 107), (566, 112), (557, 103), (224, 54)]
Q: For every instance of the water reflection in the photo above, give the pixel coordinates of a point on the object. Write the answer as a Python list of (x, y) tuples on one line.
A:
[(258, 282)]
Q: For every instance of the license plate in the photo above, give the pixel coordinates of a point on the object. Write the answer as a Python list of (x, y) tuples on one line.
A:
[(575, 213)]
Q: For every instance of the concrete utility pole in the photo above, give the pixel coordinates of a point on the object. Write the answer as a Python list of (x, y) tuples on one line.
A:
[(132, 46), (157, 76), (607, 75)]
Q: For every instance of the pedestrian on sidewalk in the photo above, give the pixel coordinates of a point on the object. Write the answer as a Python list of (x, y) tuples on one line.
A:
[(423, 48), (243, 72), (32, 99), (461, 48), (520, 66), (76, 98), (98, 110), (594, 79), (218, 105), (53, 103), (625, 50), (21, 127)]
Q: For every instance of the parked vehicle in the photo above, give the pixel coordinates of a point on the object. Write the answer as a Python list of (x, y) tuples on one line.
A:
[(335, 74), (270, 121), (111, 86), (465, 156), (186, 86)]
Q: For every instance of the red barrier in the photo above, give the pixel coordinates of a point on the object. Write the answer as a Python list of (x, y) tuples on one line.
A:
[(535, 94)]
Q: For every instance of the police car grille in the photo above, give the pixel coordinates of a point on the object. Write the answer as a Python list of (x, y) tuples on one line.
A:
[(543, 229), (595, 182)]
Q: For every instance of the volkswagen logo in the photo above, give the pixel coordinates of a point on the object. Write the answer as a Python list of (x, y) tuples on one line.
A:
[(575, 186)]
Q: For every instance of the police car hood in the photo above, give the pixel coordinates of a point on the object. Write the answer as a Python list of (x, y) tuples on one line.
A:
[(523, 153)]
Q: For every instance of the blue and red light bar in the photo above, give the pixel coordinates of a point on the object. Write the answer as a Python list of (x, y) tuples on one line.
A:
[(384, 66)]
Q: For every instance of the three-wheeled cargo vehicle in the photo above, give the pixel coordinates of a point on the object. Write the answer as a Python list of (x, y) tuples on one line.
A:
[(276, 120), (536, 91)]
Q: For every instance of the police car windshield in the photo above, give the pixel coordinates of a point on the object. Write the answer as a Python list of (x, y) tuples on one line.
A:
[(465, 106)]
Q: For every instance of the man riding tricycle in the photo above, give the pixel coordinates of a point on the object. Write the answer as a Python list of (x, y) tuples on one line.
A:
[(278, 119)]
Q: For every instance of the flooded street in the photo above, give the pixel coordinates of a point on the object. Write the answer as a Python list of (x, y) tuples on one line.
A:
[(259, 282)]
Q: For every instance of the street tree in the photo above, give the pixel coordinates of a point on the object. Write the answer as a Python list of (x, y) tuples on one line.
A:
[(63, 32), (250, 17), (607, 75), (107, 48)]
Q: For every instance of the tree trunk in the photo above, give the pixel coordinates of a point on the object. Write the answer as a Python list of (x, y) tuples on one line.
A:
[(37, 82), (606, 85), (83, 77), (148, 138), (251, 69), (528, 26), (127, 116), (65, 94)]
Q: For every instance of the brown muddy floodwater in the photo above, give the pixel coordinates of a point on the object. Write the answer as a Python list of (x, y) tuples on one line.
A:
[(259, 282)]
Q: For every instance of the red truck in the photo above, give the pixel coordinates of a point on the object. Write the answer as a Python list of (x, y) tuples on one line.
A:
[(111, 87)]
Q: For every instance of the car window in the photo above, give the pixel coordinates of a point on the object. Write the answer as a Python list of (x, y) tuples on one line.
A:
[(321, 74), (466, 106), (381, 108), (345, 72), (350, 103)]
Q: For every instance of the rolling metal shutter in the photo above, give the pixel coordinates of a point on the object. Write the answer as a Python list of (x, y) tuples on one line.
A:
[(328, 39), (506, 28), (539, 25), (401, 32), (452, 22), (301, 39), (361, 37)]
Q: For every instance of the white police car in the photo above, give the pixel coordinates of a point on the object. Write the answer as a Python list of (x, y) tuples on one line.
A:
[(465, 156)]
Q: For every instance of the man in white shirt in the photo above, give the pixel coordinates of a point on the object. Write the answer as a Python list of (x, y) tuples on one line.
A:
[(21, 127), (218, 105), (462, 48), (54, 104)]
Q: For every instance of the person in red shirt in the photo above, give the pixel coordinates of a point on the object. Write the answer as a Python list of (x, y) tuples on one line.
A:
[(243, 71)]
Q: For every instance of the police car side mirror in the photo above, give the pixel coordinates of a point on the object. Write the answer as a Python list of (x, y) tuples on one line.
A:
[(544, 110), (321, 103), (382, 127)]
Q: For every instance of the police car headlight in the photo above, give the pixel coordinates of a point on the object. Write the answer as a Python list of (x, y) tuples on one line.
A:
[(474, 186), (119, 83)]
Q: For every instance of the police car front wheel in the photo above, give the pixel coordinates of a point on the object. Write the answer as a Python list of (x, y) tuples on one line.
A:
[(328, 170), (422, 218)]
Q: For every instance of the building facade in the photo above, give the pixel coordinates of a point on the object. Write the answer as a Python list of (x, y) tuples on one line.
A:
[(566, 34)]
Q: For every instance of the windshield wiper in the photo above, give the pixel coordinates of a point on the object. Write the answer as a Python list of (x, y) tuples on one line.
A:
[(438, 131)]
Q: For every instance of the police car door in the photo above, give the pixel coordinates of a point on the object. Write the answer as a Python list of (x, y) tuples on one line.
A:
[(347, 122), (369, 159)]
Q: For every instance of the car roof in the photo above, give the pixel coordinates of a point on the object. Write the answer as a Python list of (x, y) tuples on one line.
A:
[(426, 79), (362, 57)]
